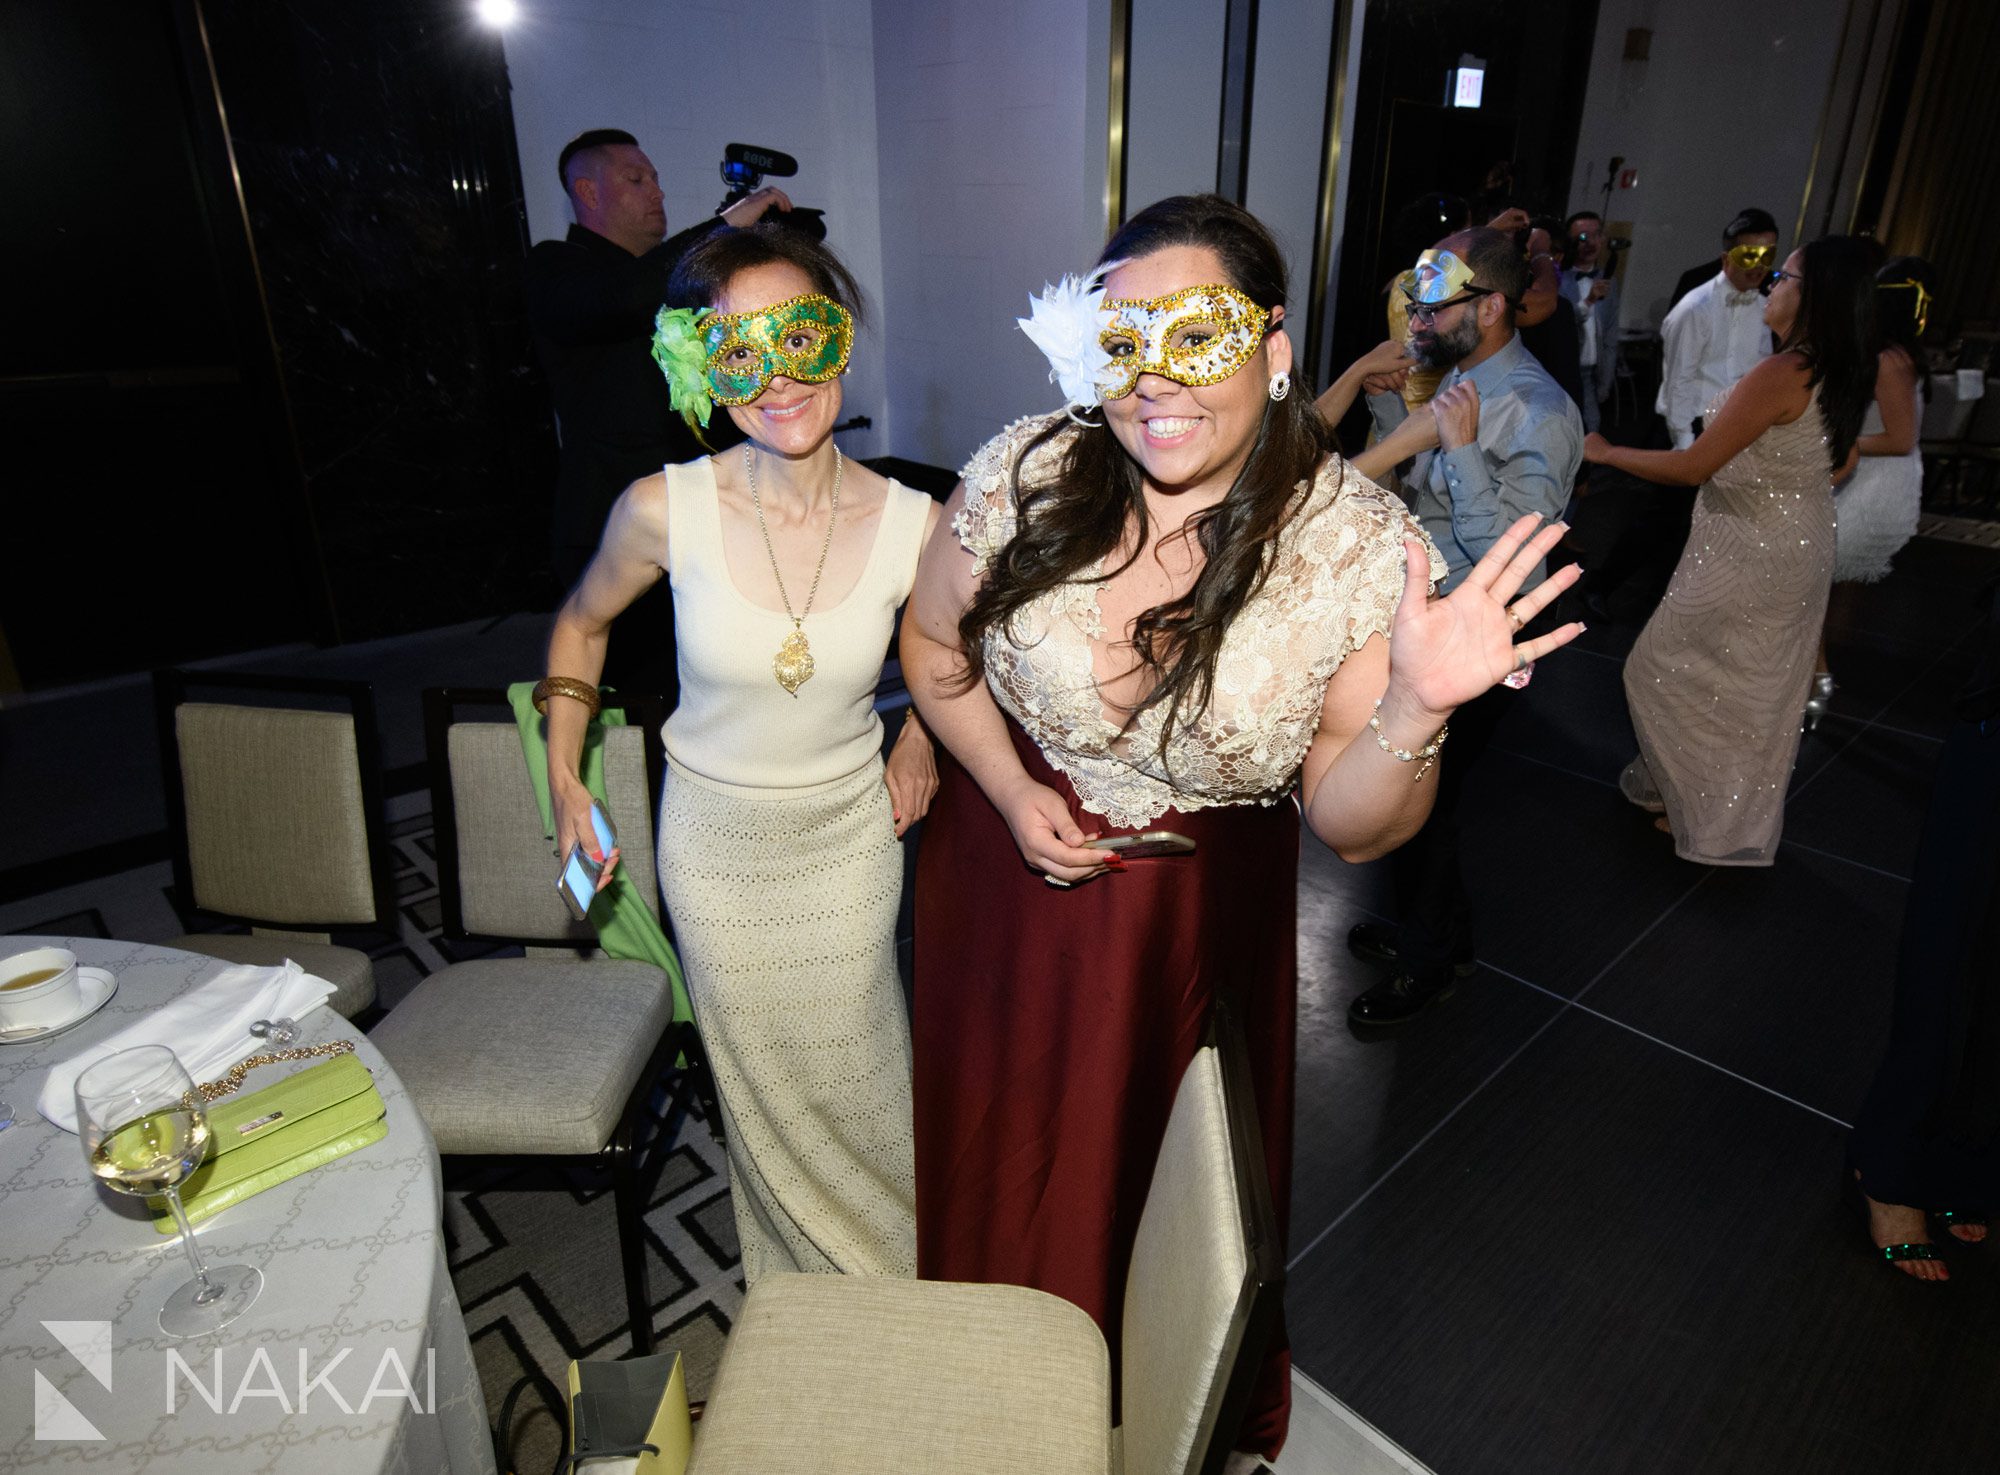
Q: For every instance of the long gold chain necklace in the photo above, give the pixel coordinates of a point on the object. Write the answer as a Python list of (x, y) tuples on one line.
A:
[(793, 664)]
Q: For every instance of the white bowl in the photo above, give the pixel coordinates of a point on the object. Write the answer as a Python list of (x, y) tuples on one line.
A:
[(42, 1005)]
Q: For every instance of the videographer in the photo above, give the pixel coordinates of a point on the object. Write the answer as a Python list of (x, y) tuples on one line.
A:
[(1588, 280), (591, 300)]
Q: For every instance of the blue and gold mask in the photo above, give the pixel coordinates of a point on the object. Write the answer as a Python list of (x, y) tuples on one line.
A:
[(1437, 277)]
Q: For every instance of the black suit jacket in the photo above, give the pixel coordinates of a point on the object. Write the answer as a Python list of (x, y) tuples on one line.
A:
[(1553, 342), (591, 305)]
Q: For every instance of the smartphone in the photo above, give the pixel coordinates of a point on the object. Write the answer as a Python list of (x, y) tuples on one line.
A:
[(1143, 846), (577, 881)]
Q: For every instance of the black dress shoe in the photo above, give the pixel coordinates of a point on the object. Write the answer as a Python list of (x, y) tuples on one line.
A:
[(1376, 942), (1402, 998)]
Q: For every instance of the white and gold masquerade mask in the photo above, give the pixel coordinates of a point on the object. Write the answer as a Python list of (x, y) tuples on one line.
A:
[(1196, 336)]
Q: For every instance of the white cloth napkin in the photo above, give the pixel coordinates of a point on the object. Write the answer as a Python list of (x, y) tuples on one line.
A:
[(208, 1028)]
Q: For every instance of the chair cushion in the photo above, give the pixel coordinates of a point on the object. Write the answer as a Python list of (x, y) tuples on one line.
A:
[(276, 826), (833, 1373), (523, 1055), (348, 970)]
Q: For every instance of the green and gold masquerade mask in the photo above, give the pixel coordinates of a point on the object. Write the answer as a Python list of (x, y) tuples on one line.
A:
[(1196, 336), (1752, 258), (1921, 307), (1437, 277), (730, 358), (804, 338)]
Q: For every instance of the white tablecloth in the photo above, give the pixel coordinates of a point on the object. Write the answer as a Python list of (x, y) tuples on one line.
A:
[(353, 1262)]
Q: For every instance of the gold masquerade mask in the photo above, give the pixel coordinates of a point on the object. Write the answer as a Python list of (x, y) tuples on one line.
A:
[(1196, 336), (1437, 277), (804, 338), (1752, 258), (1923, 302)]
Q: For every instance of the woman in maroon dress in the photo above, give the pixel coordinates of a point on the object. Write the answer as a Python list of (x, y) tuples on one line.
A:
[(1167, 620)]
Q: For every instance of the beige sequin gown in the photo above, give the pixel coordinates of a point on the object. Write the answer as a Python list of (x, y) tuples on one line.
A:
[(1719, 676)]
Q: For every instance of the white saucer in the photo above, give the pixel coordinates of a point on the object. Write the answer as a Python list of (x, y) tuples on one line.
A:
[(97, 985)]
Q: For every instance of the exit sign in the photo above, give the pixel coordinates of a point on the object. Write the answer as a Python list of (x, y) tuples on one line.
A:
[(1465, 83)]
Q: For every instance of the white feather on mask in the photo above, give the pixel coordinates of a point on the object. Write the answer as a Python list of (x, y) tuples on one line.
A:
[(1065, 323)]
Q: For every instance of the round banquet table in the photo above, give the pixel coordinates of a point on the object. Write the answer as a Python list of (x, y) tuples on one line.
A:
[(354, 1271)]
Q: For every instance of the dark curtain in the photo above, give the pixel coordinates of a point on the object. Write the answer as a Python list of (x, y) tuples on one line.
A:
[(1940, 202)]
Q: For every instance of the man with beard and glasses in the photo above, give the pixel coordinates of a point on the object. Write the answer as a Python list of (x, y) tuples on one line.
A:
[(1509, 442)]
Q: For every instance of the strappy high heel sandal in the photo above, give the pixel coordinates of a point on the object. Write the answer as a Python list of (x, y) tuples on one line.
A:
[(1818, 701), (1891, 1255), (1948, 1218)]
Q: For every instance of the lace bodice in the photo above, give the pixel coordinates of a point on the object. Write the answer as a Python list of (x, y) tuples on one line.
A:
[(1336, 576)]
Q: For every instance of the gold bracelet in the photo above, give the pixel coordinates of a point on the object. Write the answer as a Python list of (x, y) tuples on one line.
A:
[(565, 686), (1428, 752)]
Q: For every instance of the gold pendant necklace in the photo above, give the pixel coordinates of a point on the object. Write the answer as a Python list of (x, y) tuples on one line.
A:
[(793, 664)]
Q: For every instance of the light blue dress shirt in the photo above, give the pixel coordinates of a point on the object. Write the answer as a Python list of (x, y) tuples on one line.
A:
[(1525, 460)]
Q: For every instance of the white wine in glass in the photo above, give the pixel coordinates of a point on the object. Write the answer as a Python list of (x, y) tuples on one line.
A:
[(144, 1127)]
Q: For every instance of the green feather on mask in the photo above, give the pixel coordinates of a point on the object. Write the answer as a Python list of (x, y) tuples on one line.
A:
[(678, 350)]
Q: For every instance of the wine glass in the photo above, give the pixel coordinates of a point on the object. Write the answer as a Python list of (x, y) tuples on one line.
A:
[(144, 1128)]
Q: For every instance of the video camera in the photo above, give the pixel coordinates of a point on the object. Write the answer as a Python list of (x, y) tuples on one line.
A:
[(743, 169)]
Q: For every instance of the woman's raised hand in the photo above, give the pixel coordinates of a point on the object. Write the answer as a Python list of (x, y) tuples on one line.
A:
[(569, 804), (1444, 652)]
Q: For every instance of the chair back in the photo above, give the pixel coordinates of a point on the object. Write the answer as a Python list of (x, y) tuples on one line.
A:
[(276, 810), (1984, 431), (496, 869), (1202, 1296), (1946, 416)]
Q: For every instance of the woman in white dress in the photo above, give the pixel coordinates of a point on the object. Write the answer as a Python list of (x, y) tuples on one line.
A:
[(779, 826), (1876, 509)]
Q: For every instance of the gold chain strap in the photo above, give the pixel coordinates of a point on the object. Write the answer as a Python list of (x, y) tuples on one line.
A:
[(215, 1090)]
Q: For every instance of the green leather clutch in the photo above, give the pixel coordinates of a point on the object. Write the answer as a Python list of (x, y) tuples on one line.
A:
[(263, 1139)]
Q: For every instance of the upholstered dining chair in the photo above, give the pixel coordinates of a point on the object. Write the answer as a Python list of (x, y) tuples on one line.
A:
[(558, 1053), (855, 1373), (274, 811)]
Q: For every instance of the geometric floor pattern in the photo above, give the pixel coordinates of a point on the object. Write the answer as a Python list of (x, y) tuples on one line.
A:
[(534, 1258), (533, 1248)]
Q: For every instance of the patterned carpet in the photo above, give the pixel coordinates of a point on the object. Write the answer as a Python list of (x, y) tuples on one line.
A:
[(533, 1248)]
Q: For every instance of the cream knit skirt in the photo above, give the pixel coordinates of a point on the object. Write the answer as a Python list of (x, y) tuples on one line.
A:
[(783, 903)]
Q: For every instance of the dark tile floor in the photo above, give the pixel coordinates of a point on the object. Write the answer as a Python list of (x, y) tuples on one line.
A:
[(1581, 1217)]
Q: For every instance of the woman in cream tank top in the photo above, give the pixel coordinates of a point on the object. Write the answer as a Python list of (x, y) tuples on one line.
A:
[(779, 828)]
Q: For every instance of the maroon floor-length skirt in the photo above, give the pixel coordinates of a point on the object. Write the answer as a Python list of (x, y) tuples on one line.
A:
[(1051, 1029)]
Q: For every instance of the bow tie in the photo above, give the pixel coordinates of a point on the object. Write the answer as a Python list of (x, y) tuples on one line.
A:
[(1739, 299)]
